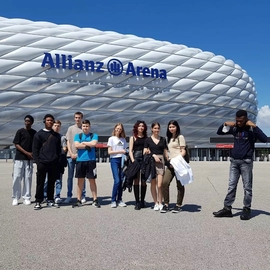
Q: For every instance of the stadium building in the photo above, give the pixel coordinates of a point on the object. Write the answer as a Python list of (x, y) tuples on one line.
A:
[(111, 78)]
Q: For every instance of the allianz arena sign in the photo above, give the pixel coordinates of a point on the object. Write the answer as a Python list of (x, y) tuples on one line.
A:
[(114, 66)]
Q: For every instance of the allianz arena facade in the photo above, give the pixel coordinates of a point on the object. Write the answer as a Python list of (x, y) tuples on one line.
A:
[(111, 77)]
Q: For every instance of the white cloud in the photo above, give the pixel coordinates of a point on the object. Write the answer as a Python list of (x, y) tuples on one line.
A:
[(263, 119)]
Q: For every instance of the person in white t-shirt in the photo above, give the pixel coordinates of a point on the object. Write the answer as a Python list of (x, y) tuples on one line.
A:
[(72, 155), (117, 148)]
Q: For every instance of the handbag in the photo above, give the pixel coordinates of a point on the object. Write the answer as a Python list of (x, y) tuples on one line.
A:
[(186, 156)]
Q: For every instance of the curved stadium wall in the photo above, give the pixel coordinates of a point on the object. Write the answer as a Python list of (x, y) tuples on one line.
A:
[(111, 77)]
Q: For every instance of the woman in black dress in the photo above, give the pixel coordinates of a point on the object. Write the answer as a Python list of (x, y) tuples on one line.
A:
[(136, 146), (157, 146)]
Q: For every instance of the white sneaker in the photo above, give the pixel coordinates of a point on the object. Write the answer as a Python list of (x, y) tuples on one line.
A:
[(58, 200), (52, 204), (26, 202), (83, 200), (15, 202), (68, 200), (122, 204), (113, 205), (160, 206), (44, 201), (156, 207)]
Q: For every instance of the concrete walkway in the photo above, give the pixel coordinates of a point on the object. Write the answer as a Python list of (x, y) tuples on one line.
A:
[(122, 238)]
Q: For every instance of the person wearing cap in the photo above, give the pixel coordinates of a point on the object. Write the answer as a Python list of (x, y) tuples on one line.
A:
[(46, 154), (23, 163)]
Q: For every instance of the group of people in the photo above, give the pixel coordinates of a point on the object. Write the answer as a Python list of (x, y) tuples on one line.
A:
[(160, 151), (52, 152)]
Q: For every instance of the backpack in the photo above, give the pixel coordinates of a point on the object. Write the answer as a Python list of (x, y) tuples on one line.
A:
[(63, 155), (186, 156)]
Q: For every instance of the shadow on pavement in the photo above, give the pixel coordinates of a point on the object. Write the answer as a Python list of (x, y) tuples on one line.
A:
[(191, 208), (254, 212)]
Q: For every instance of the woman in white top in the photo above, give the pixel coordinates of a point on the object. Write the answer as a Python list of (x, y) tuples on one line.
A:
[(177, 146), (117, 148)]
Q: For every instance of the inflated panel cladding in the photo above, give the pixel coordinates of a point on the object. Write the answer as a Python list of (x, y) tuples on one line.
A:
[(201, 89)]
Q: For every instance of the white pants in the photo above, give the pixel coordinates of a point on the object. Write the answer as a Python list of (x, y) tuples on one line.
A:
[(22, 171)]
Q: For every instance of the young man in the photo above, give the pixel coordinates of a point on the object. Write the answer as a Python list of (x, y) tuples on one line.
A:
[(72, 155), (23, 165), (63, 161), (86, 162), (46, 154), (245, 135)]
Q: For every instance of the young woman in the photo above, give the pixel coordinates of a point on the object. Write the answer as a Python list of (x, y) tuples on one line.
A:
[(117, 148), (136, 145), (177, 145), (158, 148)]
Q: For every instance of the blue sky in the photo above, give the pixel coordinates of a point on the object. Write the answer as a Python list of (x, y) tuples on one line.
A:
[(236, 29)]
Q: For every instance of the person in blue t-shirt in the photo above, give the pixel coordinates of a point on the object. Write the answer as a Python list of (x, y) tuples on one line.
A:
[(86, 162)]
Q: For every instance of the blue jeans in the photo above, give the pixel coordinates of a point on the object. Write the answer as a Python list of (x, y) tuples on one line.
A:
[(58, 186), (71, 163), (244, 168), (117, 178), (45, 186)]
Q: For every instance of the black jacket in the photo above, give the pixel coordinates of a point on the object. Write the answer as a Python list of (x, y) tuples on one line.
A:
[(244, 140), (131, 173), (148, 168)]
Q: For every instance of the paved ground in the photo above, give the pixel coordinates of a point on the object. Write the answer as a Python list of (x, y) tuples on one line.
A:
[(122, 238)]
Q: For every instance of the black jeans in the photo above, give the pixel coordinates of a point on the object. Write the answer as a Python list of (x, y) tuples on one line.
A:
[(42, 169)]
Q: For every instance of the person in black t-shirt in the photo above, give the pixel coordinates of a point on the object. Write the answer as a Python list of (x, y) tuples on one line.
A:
[(23, 164), (159, 149)]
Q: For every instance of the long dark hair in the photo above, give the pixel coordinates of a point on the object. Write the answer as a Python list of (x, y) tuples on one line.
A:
[(135, 129), (177, 133), (155, 124)]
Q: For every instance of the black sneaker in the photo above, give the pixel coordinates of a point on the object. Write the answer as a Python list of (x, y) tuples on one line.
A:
[(96, 203), (225, 212), (176, 209), (77, 204), (143, 205), (164, 209), (245, 214), (37, 206), (52, 204), (137, 206)]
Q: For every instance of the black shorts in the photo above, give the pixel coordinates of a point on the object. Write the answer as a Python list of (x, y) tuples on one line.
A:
[(86, 169)]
